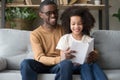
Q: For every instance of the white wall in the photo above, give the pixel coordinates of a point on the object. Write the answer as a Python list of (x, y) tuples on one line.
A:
[(114, 22)]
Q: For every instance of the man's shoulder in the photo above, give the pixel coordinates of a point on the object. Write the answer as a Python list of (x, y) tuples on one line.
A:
[(36, 31), (59, 26)]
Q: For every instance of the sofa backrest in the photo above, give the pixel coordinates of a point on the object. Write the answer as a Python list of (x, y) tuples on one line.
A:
[(108, 44), (14, 46)]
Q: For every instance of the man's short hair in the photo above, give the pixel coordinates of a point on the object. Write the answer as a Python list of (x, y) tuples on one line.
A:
[(46, 2)]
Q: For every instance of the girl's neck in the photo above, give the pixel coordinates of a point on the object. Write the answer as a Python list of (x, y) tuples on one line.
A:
[(77, 37)]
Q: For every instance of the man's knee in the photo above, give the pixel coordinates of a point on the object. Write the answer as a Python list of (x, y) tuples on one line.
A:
[(25, 63)]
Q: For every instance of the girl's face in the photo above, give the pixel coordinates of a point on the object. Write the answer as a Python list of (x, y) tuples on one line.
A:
[(76, 25)]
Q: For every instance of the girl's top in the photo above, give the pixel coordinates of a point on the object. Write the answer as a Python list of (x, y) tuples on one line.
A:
[(66, 41)]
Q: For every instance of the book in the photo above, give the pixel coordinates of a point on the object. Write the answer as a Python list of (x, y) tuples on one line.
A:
[(82, 51), (61, 2), (65, 2), (28, 2), (72, 2)]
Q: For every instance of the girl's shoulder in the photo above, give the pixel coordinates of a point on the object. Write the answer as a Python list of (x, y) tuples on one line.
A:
[(87, 38), (66, 37)]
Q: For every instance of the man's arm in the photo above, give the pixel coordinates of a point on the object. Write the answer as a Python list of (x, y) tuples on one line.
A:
[(39, 54)]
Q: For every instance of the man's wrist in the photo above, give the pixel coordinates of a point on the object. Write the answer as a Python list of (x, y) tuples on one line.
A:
[(57, 60)]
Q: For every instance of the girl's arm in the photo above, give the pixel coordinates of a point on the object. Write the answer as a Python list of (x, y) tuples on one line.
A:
[(67, 54), (62, 55)]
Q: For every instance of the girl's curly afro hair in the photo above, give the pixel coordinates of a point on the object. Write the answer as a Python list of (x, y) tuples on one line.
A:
[(87, 18)]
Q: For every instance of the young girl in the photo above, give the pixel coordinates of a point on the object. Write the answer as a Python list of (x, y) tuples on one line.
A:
[(78, 22)]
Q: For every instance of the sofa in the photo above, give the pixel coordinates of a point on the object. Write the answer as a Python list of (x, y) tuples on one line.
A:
[(15, 46)]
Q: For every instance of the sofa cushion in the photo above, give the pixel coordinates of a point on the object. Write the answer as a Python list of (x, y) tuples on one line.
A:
[(10, 75), (14, 46), (3, 63), (107, 42), (15, 75)]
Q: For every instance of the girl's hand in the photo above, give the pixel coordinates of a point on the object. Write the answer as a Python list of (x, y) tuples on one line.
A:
[(76, 64), (68, 54), (93, 56)]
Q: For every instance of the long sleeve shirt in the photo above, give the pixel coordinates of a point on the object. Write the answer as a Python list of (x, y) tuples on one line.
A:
[(44, 45)]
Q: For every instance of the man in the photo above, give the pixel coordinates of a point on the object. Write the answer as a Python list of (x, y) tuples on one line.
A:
[(44, 40)]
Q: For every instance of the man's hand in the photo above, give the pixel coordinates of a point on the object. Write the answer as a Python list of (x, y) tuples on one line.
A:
[(93, 56)]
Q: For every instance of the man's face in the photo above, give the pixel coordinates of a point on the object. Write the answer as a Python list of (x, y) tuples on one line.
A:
[(49, 14)]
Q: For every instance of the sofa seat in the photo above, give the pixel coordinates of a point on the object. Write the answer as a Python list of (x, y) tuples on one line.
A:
[(10, 75), (15, 75)]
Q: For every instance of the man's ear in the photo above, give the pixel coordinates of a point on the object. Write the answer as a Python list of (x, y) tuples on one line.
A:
[(41, 15)]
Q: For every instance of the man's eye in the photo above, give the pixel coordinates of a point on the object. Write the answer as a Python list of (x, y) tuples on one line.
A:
[(48, 13)]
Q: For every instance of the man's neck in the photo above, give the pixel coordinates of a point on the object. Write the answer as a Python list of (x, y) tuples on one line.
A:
[(48, 27)]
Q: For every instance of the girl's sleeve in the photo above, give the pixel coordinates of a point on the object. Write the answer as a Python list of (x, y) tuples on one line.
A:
[(62, 44)]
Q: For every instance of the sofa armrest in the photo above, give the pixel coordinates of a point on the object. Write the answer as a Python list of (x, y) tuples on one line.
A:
[(107, 42)]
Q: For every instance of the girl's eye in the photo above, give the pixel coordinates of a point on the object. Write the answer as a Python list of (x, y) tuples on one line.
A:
[(76, 23), (80, 24)]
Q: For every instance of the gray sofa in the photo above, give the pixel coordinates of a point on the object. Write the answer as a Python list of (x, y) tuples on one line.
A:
[(15, 46)]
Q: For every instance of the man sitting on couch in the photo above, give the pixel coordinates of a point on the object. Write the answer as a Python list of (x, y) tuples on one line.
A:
[(44, 40)]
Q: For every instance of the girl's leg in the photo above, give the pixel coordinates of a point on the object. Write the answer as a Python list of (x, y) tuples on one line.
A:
[(98, 72), (65, 72), (56, 70), (86, 73)]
